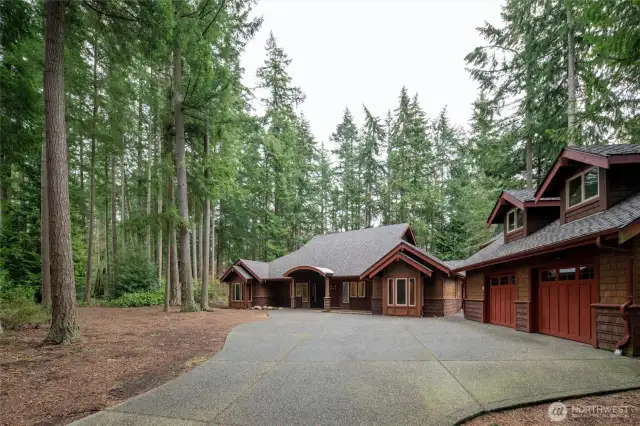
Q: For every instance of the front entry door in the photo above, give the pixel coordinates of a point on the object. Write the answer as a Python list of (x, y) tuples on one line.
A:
[(503, 293), (334, 295)]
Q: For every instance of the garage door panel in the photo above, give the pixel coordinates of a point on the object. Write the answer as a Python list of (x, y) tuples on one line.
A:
[(502, 294), (564, 306)]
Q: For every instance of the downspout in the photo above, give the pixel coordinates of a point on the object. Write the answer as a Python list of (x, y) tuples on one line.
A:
[(624, 308)]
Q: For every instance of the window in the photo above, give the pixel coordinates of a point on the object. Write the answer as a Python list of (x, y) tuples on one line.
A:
[(515, 220), (353, 289), (236, 292), (345, 292), (250, 290), (412, 292), (567, 274), (401, 291), (305, 292), (587, 272), (313, 292), (298, 289), (504, 280), (583, 187), (390, 298), (362, 289), (548, 275), (495, 281), (501, 280)]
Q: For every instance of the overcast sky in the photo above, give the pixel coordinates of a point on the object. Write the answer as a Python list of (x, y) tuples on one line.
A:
[(350, 52)]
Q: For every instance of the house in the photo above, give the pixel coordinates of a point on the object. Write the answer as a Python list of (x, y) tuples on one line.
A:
[(567, 262), (380, 270)]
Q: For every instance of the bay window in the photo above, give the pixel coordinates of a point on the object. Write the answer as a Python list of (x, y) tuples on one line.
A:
[(401, 292)]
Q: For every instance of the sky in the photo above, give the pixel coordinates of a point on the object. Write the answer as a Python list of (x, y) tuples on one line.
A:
[(347, 53)]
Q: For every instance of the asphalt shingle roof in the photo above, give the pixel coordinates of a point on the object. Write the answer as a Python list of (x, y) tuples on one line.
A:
[(345, 253), (608, 150), (525, 195), (616, 217)]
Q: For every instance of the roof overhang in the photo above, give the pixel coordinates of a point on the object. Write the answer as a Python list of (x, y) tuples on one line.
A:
[(239, 263), (325, 272), (237, 269), (507, 201), (629, 231), (567, 155), (574, 242), (403, 246), (406, 259), (410, 234)]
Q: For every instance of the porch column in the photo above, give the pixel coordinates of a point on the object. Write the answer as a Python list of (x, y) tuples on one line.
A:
[(327, 297), (292, 292)]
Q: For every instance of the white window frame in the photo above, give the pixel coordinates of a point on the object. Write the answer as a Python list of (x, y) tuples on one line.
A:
[(298, 289), (233, 292), (313, 292), (515, 218), (406, 291), (305, 286), (582, 187), (415, 291), (345, 295), (364, 289), (391, 284), (250, 292)]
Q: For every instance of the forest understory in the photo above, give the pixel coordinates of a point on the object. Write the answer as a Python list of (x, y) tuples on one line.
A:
[(123, 353)]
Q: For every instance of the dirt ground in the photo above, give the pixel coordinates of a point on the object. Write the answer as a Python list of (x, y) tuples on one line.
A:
[(124, 352), (539, 414)]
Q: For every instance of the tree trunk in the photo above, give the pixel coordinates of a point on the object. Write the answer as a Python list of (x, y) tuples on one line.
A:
[(200, 235), (204, 239), (89, 277), (172, 257), (167, 281), (194, 242), (571, 77), (114, 229), (45, 261), (188, 304), (159, 207), (107, 198), (123, 189), (64, 328)]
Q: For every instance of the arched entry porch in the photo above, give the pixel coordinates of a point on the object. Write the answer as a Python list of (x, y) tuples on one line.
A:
[(310, 286)]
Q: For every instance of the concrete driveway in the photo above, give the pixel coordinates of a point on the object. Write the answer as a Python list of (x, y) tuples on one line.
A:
[(305, 367)]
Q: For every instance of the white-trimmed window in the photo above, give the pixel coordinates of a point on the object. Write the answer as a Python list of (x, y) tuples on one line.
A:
[(305, 292), (362, 289), (401, 292), (345, 292), (250, 290), (236, 292), (298, 289), (313, 292), (353, 289), (515, 220), (412, 292), (583, 187), (390, 286)]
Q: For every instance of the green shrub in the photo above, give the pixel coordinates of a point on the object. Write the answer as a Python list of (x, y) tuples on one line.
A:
[(134, 273), (18, 307), (142, 298), (218, 293)]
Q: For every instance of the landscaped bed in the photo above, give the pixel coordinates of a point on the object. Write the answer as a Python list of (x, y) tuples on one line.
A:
[(124, 352)]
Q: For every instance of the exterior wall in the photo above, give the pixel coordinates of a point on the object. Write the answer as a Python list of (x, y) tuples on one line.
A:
[(376, 296), (402, 270), (235, 278), (514, 235), (355, 303), (536, 218), (441, 297), (474, 296), (620, 186), (613, 277)]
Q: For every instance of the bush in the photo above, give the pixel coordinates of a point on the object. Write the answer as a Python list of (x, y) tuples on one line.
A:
[(135, 274), (142, 298), (18, 307), (217, 292)]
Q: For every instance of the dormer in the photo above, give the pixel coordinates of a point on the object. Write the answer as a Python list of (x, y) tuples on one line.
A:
[(520, 215), (592, 179)]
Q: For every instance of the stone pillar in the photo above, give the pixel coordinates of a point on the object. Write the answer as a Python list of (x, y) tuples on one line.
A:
[(292, 292), (327, 296)]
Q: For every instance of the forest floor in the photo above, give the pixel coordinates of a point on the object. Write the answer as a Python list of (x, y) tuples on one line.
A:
[(539, 414), (123, 353)]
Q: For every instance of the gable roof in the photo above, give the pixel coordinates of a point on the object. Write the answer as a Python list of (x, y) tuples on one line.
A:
[(520, 198), (556, 236), (598, 155), (346, 254)]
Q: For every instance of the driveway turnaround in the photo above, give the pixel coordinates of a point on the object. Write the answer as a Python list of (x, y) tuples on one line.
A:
[(306, 367)]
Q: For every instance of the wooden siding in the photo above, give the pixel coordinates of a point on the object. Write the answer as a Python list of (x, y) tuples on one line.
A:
[(513, 235), (620, 185), (613, 277), (536, 218)]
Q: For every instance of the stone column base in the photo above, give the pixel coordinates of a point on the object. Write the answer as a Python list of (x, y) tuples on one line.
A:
[(327, 304), (293, 302)]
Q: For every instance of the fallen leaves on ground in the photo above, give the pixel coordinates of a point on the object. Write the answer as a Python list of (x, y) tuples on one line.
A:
[(123, 352)]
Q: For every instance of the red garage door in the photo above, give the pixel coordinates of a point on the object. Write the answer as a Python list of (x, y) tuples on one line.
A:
[(502, 293), (565, 296)]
